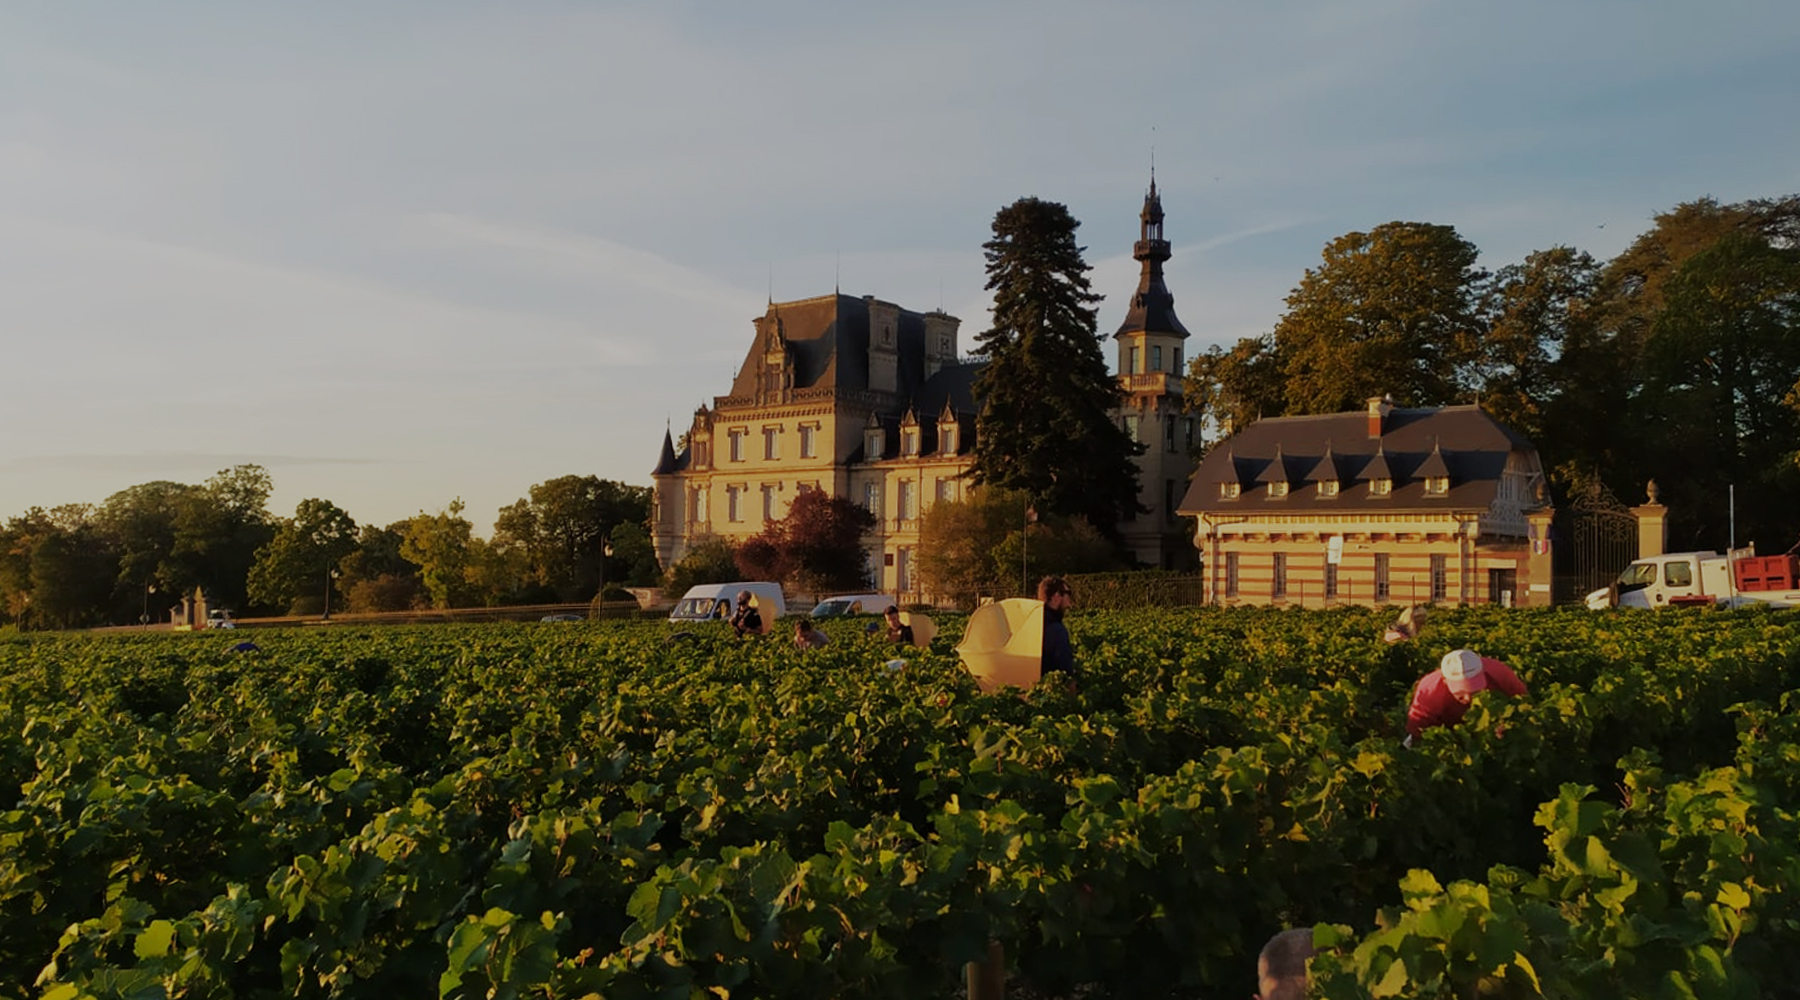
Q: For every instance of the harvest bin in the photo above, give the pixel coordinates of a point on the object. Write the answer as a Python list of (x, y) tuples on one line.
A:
[(1766, 572)]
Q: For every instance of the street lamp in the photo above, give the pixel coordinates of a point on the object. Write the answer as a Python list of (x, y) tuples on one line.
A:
[(144, 619), (330, 575), (606, 551), (1025, 551)]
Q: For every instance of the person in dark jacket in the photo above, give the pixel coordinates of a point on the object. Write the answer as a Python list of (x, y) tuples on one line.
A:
[(1059, 654), (898, 633), (747, 620)]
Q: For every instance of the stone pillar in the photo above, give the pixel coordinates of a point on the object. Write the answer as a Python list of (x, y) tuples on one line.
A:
[(1653, 524), (1538, 563)]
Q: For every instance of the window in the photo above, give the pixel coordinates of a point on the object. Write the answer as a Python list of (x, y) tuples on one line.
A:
[(1437, 485), (872, 499), (906, 511), (1277, 490), (1176, 368), (1190, 432), (1229, 491), (737, 444), (1168, 499), (1678, 574), (1328, 488), (1131, 426), (1380, 487), (1156, 359), (700, 506), (807, 433), (909, 442), (946, 489), (1331, 580), (734, 503), (1440, 578), (1278, 586), (1169, 433), (1382, 591), (1132, 368), (771, 443), (768, 505), (874, 444), (947, 437), (1231, 574)]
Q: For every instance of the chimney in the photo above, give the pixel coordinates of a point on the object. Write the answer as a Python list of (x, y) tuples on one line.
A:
[(1379, 408)]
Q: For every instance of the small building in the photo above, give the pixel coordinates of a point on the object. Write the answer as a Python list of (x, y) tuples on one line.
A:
[(1391, 505)]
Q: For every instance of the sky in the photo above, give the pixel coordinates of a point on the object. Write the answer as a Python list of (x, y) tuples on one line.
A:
[(402, 252)]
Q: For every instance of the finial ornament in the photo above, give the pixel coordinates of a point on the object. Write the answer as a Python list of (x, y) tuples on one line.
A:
[(1653, 491)]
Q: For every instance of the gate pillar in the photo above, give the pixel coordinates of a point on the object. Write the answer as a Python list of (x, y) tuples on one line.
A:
[(1653, 523), (1539, 564)]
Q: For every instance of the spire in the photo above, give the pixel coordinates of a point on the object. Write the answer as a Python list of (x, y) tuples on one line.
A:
[(1152, 307), (668, 464)]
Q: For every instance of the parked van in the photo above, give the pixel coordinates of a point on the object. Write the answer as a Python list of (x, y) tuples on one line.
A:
[(710, 601), (852, 604)]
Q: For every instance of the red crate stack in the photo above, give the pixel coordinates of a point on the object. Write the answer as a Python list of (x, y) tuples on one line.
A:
[(1767, 572)]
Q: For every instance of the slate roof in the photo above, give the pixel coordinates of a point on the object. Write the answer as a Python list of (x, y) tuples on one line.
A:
[(1465, 443), (828, 338)]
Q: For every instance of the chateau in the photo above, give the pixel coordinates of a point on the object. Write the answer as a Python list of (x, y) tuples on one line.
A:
[(871, 401)]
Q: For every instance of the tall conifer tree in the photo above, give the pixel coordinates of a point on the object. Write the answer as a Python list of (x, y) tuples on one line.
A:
[(1047, 401)]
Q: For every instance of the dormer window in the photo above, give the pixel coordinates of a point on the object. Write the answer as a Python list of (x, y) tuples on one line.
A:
[(1229, 491), (1328, 488), (909, 442), (1437, 486), (874, 444), (1380, 487), (1278, 489)]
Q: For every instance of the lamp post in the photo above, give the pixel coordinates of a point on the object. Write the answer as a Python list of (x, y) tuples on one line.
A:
[(1025, 551), (330, 575), (606, 551), (144, 619)]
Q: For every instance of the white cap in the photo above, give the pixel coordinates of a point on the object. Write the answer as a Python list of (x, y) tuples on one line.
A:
[(1462, 671)]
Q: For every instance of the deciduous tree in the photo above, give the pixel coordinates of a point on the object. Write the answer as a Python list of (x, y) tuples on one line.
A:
[(299, 562), (440, 545), (1390, 311), (563, 525), (817, 547), (710, 559)]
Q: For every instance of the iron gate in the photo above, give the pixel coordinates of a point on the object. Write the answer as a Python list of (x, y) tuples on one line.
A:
[(1603, 537)]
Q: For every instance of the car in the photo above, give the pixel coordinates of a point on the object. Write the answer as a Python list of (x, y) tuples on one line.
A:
[(843, 605), (563, 618)]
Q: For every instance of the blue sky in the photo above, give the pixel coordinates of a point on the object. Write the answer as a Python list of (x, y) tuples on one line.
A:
[(403, 252)]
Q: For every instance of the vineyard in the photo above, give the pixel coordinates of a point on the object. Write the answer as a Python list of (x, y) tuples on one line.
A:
[(571, 810)]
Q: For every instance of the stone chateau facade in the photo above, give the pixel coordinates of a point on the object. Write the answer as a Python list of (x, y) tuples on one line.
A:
[(871, 401)]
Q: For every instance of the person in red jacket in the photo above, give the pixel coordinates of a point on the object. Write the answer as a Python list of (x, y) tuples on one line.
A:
[(1442, 697)]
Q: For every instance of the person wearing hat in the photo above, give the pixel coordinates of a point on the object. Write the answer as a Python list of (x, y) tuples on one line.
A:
[(747, 620), (1442, 697)]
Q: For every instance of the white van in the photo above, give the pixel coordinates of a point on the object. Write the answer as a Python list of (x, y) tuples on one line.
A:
[(852, 604), (718, 601)]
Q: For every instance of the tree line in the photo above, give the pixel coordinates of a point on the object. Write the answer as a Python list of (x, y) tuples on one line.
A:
[(1676, 361), (133, 557)]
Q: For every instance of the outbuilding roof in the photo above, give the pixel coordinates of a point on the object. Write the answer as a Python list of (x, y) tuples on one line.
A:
[(1460, 442)]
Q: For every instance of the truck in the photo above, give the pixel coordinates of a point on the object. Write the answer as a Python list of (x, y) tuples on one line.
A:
[(1703, 579)]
